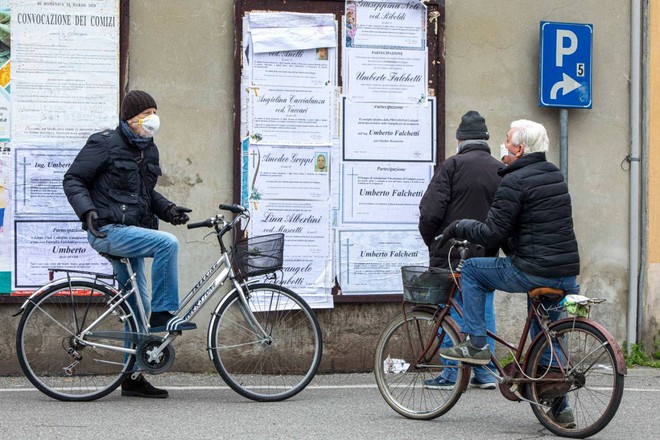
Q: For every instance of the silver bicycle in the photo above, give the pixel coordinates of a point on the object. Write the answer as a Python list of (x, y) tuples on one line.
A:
[(79, 336)]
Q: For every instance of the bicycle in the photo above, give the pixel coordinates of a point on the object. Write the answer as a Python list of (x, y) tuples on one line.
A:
[(573, 359), (79, 336)]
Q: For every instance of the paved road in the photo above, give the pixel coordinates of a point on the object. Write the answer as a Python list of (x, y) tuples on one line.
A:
[(332, 407)]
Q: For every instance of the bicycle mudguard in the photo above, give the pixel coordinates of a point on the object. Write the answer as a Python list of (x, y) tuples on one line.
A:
[(71, 280), (618, 353), (214, 316)]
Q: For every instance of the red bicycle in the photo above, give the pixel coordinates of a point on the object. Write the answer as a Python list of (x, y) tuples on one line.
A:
[(573, 362)]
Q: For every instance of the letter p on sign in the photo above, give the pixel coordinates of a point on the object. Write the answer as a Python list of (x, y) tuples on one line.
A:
[(565, 34)]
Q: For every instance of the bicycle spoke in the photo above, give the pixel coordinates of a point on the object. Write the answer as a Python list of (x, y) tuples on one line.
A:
[(590, 367), (55, 358), (274, 366), (404, 388)]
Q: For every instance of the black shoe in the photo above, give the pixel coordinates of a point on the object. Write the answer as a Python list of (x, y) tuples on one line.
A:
[(141, 388), (167, 322)]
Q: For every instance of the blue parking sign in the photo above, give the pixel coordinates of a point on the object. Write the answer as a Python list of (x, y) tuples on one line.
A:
[(565, 70)]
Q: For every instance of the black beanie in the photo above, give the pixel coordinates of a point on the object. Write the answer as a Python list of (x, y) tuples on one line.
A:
[(472, 126), (134, 103)]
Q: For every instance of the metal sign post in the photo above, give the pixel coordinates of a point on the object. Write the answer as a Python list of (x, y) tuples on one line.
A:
[(565, 73)]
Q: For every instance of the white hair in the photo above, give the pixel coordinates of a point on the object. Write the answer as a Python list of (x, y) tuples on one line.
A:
[(530, 134)]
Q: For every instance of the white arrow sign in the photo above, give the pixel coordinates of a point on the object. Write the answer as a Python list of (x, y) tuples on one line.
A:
[(567, 85)]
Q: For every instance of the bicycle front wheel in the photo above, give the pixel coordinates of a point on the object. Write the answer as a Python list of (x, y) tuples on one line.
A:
[(407, 385), (589, 396), (54, 355), (272, 366)]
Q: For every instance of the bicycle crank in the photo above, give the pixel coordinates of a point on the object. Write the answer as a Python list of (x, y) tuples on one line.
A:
[(508, 388), (151, 362)]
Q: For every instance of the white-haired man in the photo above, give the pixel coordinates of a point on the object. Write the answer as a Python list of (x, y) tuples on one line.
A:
[(531, 219)]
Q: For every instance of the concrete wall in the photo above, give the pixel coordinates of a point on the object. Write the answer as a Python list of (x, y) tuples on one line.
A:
[(182, 53), (492, 66)]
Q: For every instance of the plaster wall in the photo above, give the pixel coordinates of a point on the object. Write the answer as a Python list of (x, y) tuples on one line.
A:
[(182, 53), (492, 66)]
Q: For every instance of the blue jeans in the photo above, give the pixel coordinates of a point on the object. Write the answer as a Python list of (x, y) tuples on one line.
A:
[(482, 275), (479, 371), (137, 244)]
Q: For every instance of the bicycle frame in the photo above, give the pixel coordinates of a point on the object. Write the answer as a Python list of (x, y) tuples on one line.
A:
[(222, 267), (520, 354)]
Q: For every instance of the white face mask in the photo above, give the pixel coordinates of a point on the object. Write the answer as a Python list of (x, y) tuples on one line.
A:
[(504, 151), (151, 124)]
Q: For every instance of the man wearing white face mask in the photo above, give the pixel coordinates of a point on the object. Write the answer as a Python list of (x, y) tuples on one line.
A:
[(110, 186), (463, 187)]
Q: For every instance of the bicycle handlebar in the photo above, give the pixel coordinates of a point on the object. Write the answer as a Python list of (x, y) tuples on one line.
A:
[(236, 209), (203, 224), (211, 222), (453, 241)]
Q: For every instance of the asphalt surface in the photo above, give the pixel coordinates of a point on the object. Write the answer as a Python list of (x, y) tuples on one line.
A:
[(332, 407)]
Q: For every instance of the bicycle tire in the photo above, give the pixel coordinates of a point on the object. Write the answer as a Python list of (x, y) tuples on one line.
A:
[(273, 368), (403, 388), (595, 384), (47, 330)]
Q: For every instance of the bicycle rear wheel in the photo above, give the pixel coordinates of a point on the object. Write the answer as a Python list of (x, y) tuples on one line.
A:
[(56, 359), (269, 367), (402, 382), (593, 384)]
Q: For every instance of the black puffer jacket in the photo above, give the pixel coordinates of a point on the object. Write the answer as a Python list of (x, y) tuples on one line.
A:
[(532, 208), (106, 176), (463, 187)]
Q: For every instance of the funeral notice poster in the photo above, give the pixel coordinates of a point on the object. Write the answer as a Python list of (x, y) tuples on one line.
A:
[(64, 70), (291, 116), (53, 244), (307, 251), (305, 224), (286, 31), (38, 185), (387, 75), (389, 132), (370, 260), (383, 193), (393, 23), (305, 67), (286, 173)]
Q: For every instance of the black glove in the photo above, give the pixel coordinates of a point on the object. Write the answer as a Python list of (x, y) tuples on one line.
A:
[(177, 215), (448, 233), (92, 219)]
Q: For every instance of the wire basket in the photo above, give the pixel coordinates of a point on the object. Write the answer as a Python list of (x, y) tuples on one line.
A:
[(426, 285), (260, 255)]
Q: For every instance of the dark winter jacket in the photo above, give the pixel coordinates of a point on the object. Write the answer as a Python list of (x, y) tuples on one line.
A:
[(106, 176), (532, 209), (463, 187)]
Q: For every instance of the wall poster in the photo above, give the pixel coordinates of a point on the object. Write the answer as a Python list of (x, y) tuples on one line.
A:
[(58, 85)]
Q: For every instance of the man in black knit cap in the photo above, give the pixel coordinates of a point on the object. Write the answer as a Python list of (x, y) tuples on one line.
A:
[(463, 187), (110, 186)]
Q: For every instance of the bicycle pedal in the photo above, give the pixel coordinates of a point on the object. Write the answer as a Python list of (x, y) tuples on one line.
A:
[(175, 333)]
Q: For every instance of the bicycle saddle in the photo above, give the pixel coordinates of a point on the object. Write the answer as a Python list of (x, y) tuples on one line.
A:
[(110, 257), (547, 294)]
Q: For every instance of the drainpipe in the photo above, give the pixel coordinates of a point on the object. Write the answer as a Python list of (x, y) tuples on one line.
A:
[(633, 238), (644, 165)]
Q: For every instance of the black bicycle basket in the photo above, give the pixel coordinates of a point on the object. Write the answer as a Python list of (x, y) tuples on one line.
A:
[(260, 255), (426, 285)]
